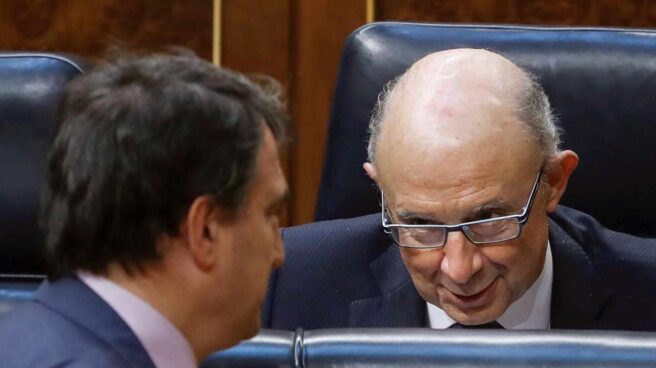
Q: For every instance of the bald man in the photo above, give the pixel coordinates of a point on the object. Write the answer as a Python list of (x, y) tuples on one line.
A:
[(465, 152)]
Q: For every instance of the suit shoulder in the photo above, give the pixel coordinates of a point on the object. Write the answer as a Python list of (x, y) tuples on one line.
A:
[(327, 237), (336, 254), (32, 335), (602, 244), (326, 268), (347, 227)]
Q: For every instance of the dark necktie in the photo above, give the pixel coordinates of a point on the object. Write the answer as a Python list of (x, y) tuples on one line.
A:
[(493, 324)]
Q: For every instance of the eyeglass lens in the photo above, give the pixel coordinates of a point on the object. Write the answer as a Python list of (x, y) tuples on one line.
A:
[(485, 232)]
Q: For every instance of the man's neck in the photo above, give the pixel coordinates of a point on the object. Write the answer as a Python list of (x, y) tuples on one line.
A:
[(152, 284), (162, 340)]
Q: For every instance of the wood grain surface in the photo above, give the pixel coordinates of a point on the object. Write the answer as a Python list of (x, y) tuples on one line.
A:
[(89, 27), (621, 13), (296, 41)]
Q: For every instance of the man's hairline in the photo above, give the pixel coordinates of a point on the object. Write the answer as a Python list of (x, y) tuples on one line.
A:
[(381, 111)]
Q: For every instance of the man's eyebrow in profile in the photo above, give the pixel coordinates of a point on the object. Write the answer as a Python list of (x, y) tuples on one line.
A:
[(278, 203)]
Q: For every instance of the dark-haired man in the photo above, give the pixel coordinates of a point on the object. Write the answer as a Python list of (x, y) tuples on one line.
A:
[(161, 218), (465, 151)]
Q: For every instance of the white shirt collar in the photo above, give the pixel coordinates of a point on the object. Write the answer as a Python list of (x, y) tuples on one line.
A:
[(163, 342), (532, 311)]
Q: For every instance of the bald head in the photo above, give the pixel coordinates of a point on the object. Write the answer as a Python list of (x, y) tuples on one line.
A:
[(430, 101), (432, 79)]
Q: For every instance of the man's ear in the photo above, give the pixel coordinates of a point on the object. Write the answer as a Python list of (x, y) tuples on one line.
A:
[(203, 231), (370, 169), (560, 169)]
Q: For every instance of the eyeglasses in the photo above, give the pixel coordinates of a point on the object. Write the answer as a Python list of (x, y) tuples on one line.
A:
[(486, 231)]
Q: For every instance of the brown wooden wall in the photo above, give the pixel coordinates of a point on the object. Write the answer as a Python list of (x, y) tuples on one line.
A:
[(88, 27), (296, 41)]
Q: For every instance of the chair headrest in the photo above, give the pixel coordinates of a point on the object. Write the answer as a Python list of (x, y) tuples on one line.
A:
[(407, 347), (31, 88), (600, 83)]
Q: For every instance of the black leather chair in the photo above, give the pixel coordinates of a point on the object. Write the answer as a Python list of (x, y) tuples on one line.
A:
[(601, 82), (30, 90), (431, 348)]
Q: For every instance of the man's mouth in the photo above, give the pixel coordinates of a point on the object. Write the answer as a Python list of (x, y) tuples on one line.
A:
[(478, 299)]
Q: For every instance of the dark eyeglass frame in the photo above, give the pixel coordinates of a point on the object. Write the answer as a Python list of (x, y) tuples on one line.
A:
[(465, 226)]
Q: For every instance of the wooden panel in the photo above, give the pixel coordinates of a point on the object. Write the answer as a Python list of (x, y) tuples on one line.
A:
[(320, 29), (256, 39), (87, 28), (296, 41), (621, 13)]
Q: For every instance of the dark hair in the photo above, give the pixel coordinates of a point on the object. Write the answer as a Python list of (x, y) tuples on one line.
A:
[(138, 139)]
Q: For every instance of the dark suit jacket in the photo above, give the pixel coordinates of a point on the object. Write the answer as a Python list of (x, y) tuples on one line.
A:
[(347, 273), (68, 325)]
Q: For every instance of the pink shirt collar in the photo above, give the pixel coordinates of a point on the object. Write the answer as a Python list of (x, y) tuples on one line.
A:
[(163, 342)]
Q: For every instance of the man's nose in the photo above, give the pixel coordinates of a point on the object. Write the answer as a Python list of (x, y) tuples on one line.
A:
[(462, 259)]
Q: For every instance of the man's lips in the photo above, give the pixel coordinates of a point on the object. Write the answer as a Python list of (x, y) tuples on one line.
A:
[(481, 298)]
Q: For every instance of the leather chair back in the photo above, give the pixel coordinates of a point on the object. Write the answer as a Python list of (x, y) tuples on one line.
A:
[(601, 83), (408, 347), (30, 90)]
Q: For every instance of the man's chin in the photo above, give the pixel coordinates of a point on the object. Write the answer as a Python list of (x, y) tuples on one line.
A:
[(254, 328), (475, 316), (476, 320), (247, 329)]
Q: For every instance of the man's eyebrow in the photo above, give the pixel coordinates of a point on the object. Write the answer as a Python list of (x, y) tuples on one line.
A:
[(473, 214), (493, 205), (280, 201), (405, 215)]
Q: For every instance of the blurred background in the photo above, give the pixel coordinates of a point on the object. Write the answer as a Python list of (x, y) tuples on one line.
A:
[(297, 42)]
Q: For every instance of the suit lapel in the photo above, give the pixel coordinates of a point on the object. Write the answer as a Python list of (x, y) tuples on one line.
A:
[(399, 305), (578, 293), (75, 301)]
